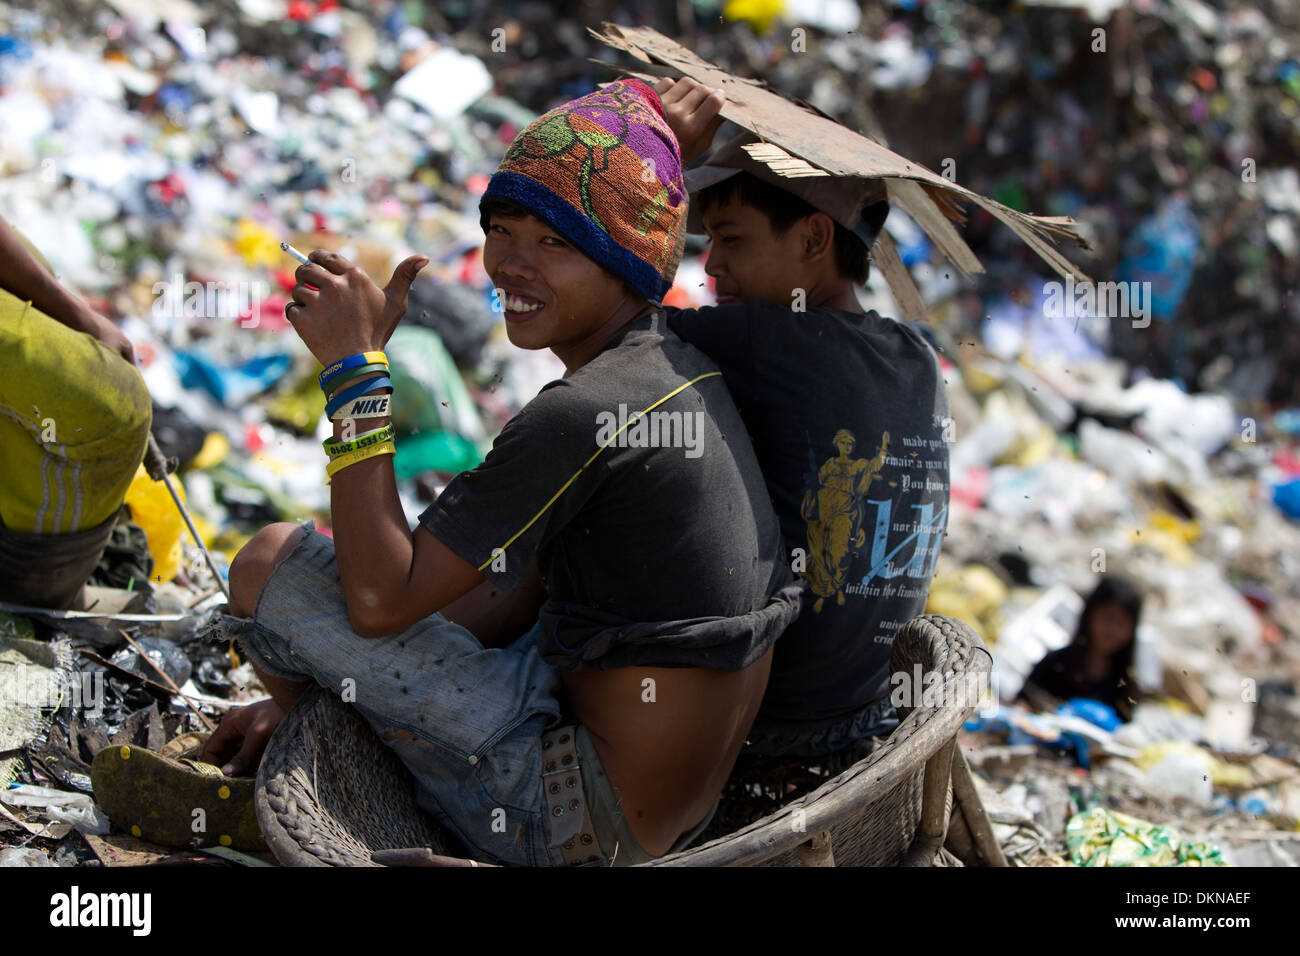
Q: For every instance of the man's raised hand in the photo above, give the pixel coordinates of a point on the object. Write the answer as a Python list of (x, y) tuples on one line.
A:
[(337, 311), (692, 111)]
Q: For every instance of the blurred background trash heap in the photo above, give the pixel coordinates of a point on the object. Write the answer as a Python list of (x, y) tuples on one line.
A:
[(157, 153)]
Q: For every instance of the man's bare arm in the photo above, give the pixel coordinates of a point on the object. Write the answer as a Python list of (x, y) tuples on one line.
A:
[(28, 279), (498, 618), (391, 578)]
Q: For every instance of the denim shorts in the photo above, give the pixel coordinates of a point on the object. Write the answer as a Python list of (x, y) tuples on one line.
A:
[(466, 720)]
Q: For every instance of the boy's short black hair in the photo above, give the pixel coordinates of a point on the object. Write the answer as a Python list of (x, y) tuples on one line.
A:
[(783, 209), (500, 206)]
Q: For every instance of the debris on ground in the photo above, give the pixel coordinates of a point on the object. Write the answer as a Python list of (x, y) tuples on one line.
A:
[(158, 162)]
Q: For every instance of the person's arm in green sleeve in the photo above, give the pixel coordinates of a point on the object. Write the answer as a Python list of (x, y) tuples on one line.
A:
[(25, 277)]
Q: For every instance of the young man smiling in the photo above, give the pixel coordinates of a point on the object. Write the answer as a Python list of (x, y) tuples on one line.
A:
[(608, 730), (847, 413)]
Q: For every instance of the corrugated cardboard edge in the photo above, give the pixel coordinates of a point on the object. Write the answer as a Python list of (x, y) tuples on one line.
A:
[(927, 197)]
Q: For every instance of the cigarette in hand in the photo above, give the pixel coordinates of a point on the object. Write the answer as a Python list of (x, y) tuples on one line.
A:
[(295, 253)]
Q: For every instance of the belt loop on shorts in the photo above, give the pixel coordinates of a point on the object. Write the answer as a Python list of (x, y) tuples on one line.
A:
[(562, 784)]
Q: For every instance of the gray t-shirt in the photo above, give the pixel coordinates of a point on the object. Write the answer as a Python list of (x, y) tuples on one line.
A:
[(847, 413), (654, 535)]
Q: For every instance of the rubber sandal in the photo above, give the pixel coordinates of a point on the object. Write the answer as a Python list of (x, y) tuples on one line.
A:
[(157, 798)]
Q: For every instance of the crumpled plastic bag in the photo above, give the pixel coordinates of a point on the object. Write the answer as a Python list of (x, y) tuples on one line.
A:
[(59, 806), (154, 511), (24, 856), (1103, 837), (1220, 772)]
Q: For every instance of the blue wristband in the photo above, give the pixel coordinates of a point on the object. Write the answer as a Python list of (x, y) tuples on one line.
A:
[(341, 378), (356, 391), (352, 361)]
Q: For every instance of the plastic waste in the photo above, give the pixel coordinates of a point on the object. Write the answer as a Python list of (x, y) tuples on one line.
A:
[(1163, 253), (1042, 327), (973, 594), (914, 245), (437, 451), (177, 434), (759, 14), (162, 652), (59, 806), (1181, 776), (24, 856), (445, 82), (1126, 457), (1046, 625), (1288, 420), (431, 404), (1093, 711), (1170, 416), (232, 385), (1104, 837), (1155, 721), (153, 510), (1287, 498), (832, 16), (900, 64)]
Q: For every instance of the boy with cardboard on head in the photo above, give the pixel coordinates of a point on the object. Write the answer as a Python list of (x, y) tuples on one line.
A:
[(846, 410)]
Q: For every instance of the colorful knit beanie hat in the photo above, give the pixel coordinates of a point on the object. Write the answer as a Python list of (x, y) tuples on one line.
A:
[(605, 172)]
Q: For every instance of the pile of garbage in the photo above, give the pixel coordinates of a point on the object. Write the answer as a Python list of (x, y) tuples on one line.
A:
[(1060, 475), (158, 154), (1168, 129)]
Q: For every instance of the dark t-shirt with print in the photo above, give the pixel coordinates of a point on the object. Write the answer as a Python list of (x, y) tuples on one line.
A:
[(653, 533), (847, 415)]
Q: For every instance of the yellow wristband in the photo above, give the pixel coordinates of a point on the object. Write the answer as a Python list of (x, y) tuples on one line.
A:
[(361, 454)]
